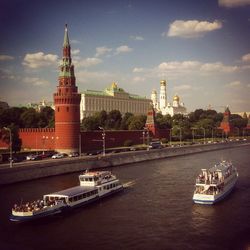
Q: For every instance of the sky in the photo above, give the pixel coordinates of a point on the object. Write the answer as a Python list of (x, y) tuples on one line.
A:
[(201, 47)]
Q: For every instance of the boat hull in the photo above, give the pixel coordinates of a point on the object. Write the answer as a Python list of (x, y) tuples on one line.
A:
[(23, 218), (212, 199)]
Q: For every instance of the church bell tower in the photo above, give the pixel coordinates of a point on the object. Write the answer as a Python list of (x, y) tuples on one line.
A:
[(67, 104)]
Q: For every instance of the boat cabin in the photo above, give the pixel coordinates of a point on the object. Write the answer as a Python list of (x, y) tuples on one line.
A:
[(92, 179), (69, 195)]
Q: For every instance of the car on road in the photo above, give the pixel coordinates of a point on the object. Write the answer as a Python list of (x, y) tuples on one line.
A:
[(58, 156), (29, 157), (155, 145), (73, 154)]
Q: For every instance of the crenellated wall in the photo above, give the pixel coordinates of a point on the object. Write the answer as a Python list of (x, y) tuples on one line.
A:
[(45, 138), (37, 138)]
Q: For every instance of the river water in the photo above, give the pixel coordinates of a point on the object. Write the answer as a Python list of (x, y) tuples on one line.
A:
[(156, 212)]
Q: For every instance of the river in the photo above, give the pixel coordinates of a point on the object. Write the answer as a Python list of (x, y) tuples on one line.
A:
[(156, 212)]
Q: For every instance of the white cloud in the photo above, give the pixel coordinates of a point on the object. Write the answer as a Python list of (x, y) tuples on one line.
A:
[(6, 74), (138, 70), (75, 52), (6, 58), (39, 59), (179, 66), (123, 49), (138, 79), (137, 38), (179, 69), (234, 84), (192, 28), (89, 77), (246, 58), (102, 51), (182, 87), (219, 67), (88, 62), (35, 81), (74, 41), (233, 3)]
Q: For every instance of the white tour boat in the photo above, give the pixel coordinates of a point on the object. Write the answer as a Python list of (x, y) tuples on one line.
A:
[(214, 184), (93, 186)]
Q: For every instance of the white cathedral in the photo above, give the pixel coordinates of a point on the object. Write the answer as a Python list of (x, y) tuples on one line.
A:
[(167, 108)]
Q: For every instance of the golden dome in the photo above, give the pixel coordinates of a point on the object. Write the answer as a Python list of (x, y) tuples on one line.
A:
[(163, 82), (176, 98), (114, 85)]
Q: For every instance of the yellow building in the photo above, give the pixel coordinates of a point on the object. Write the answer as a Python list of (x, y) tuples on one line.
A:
[(112, 98)]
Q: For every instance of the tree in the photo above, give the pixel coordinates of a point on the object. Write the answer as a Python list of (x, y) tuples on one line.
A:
[(101, 118), (30, 118), (126, 121), (137, 122), (46, 117), (90, 123), (163, 122), (113, 119), (16, 142)]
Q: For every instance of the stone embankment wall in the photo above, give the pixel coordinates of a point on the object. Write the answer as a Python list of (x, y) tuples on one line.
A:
[(24, 171)]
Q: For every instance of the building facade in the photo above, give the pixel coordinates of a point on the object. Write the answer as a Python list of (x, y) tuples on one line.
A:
[(112, 98), (67, 104), (176, 107)]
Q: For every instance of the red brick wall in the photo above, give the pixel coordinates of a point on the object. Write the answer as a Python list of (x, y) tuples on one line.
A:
[(44, 138), (38, 138)]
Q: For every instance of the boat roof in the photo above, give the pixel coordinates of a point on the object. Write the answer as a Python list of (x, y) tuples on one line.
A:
[(96, 173), (222, 166), (70, 192)]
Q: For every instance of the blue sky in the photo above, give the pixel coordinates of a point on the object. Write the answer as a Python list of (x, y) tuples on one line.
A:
[(201, 47)]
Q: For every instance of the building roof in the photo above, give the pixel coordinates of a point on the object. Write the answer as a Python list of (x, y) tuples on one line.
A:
[(110, 91)]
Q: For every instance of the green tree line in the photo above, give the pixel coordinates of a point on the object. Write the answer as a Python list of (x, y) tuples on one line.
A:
[(15, 118), (198, 121)]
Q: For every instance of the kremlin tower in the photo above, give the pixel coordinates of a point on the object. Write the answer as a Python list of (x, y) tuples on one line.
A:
[(67, 104), (163, 94), (226, 125)]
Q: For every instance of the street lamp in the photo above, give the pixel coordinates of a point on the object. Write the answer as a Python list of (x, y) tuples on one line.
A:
[(143, 137), (80, 145), (44, 137), (238, 131), (180, 135), (170, 137), (10, 145), (204, 134), (193, 133), (103, 140)]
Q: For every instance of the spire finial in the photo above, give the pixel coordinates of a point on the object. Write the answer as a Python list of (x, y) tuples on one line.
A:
[(66, 37)]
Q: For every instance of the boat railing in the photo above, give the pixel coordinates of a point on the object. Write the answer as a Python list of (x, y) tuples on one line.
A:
[(29, 206), (208, 182)]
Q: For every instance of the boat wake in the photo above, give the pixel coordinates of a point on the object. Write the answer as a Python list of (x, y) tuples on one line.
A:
[(129, 184)]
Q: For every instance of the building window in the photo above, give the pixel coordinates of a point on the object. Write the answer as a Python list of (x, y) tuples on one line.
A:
[(58, 109), (67, 109)]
